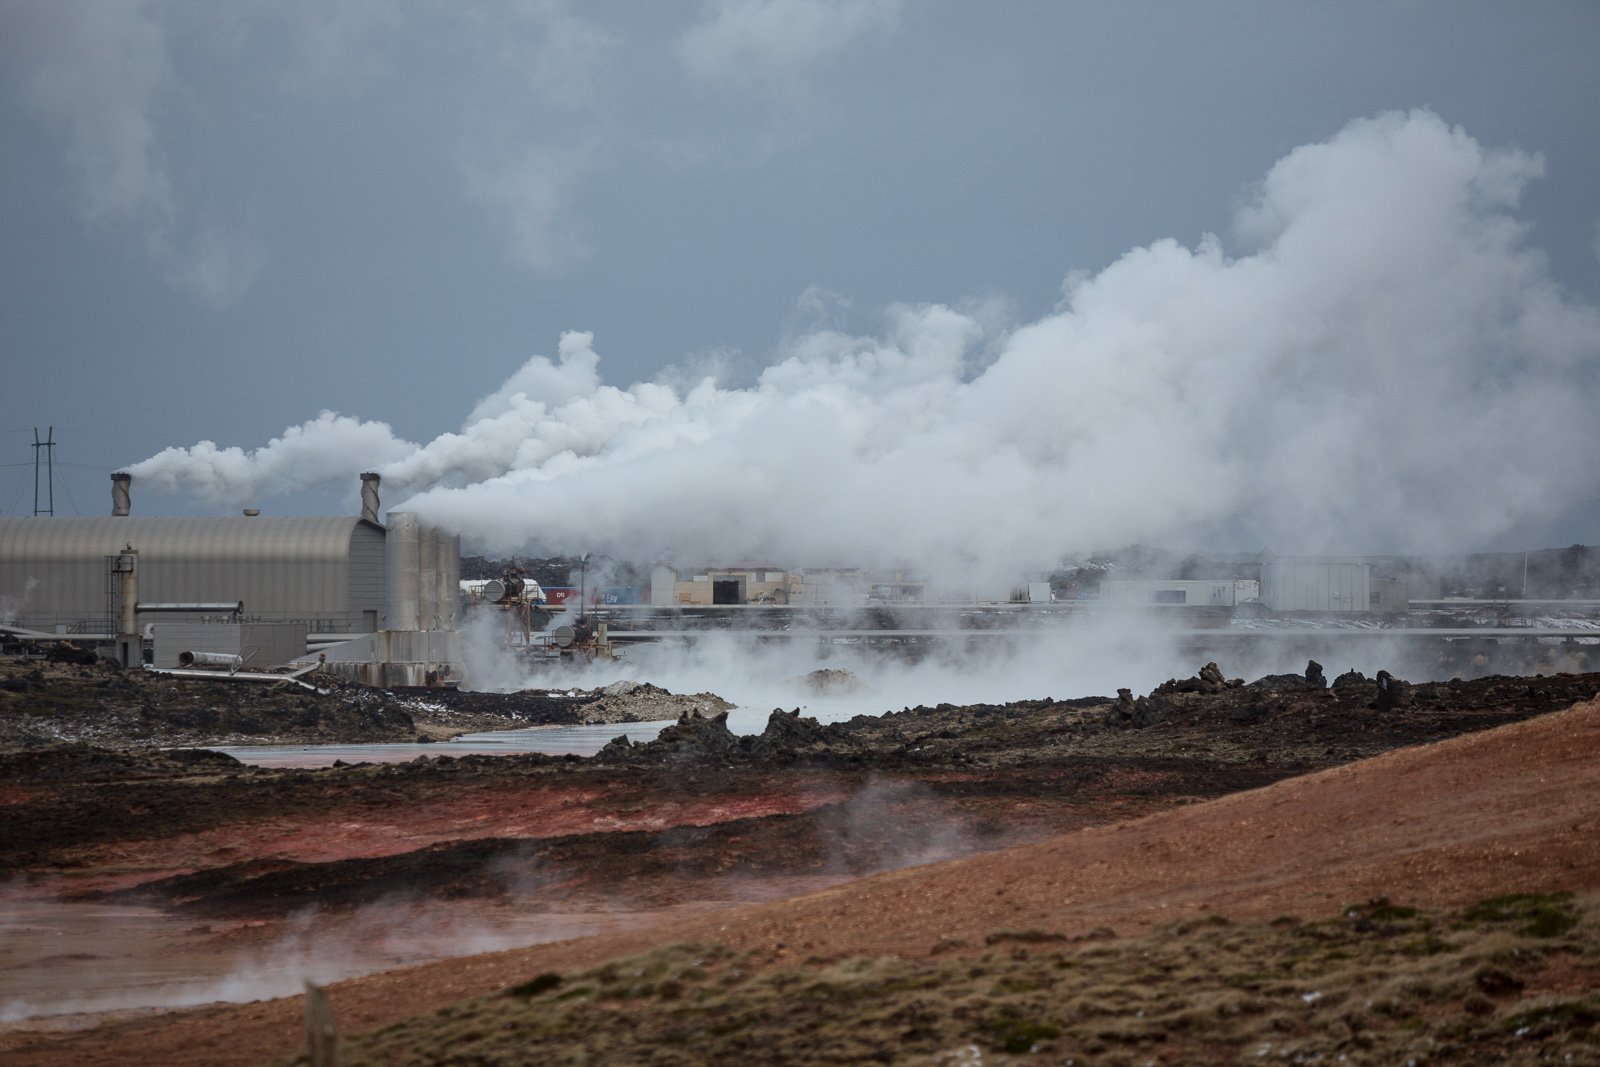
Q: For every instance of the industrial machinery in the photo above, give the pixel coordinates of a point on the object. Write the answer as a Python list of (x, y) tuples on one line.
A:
[(584, 639), (520, 597)]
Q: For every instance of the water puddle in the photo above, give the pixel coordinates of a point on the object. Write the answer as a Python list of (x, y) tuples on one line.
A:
[(550, 740)]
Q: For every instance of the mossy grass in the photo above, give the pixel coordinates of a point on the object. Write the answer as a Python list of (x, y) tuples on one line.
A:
[(1389, 983)]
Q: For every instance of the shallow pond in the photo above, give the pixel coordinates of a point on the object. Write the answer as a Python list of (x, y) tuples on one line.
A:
[(550, 740)]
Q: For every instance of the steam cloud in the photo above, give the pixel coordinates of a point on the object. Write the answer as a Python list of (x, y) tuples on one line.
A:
[(1381, 361)]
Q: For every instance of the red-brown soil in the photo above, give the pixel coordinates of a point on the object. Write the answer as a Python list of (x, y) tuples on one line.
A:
[(1515, 808)]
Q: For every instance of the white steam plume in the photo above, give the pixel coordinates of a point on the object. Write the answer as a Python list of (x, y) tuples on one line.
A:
[(315, 453), (1382, 362)]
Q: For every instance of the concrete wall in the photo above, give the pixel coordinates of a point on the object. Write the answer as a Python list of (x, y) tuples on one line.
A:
[(260, 645), (399, 658)]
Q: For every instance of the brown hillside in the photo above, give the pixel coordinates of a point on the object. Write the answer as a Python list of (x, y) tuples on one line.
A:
[(1443, 825)]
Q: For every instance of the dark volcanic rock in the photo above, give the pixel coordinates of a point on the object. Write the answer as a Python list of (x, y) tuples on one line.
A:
[(1315, 679), (1352, 679), (1029, 757), (695, 735), (1209, 680), (85, 763), (788, 733)]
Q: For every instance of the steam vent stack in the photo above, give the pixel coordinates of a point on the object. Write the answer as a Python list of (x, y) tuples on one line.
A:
[(369, 498), (121, 498)]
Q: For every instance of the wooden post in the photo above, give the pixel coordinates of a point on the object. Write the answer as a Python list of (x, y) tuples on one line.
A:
[(322, 1036)]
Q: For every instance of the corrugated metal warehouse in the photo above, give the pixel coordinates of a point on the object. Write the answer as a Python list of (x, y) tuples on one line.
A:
[(326, 572), (125, 577)]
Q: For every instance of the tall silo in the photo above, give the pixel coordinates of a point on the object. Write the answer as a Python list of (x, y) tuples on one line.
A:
[(403, 569)]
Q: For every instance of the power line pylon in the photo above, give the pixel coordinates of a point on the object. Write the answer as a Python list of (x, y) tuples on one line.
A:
[(49, 447)]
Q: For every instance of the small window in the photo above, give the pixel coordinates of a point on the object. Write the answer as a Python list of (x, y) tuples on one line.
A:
[(1170, 596)]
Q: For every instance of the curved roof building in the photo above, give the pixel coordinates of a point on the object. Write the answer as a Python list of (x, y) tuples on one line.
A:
[(326, 572)]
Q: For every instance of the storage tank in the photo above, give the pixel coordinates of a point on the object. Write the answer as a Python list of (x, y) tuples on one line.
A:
[(448, 570), (402, 569), (427, 578)]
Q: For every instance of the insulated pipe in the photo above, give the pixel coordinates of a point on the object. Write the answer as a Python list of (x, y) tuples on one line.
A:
[(130, 645), (225, 607), (128, 577), (369, 498), (120, 498), (231, 660)]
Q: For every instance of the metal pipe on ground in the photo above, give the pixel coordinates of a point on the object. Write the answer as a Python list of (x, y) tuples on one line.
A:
[(229, 607), (210, 659)]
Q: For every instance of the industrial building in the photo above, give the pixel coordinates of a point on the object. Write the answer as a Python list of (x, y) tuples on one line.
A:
[(745, 583), (766, 583), (1177, 592), (329, 573), (339, 579), (847, 587), (1308, 584)]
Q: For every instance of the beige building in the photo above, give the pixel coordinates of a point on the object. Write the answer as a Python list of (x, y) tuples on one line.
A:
[(749, 583)]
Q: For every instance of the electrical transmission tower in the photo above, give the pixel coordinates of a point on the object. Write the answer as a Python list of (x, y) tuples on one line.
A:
[(49, 447)]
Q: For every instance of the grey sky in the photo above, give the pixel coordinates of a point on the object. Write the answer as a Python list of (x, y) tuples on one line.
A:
[(219, 219)]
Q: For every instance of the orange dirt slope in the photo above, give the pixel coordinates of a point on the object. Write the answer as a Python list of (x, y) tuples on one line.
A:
[(1511, 809)]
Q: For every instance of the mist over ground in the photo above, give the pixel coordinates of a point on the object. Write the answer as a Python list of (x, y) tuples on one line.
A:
[(1094, 654), (1376, 359)]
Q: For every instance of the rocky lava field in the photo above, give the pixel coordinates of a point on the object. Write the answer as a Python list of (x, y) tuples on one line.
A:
[(931, 885)]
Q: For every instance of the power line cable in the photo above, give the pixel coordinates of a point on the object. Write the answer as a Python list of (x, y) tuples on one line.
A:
[(117, 436), (14, 505)]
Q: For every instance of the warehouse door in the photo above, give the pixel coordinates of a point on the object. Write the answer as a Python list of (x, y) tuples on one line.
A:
[(727, 591)]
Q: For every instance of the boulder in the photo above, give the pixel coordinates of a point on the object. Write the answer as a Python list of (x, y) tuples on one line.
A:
[(1351, 679), (695, 735), (788, 732), (1315, 679)]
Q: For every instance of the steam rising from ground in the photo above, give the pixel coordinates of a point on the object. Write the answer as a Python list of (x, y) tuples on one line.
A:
[(1091, 655), (1377, 361), (173, 965), (1086, 655), (74, 958), (759, 674)]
